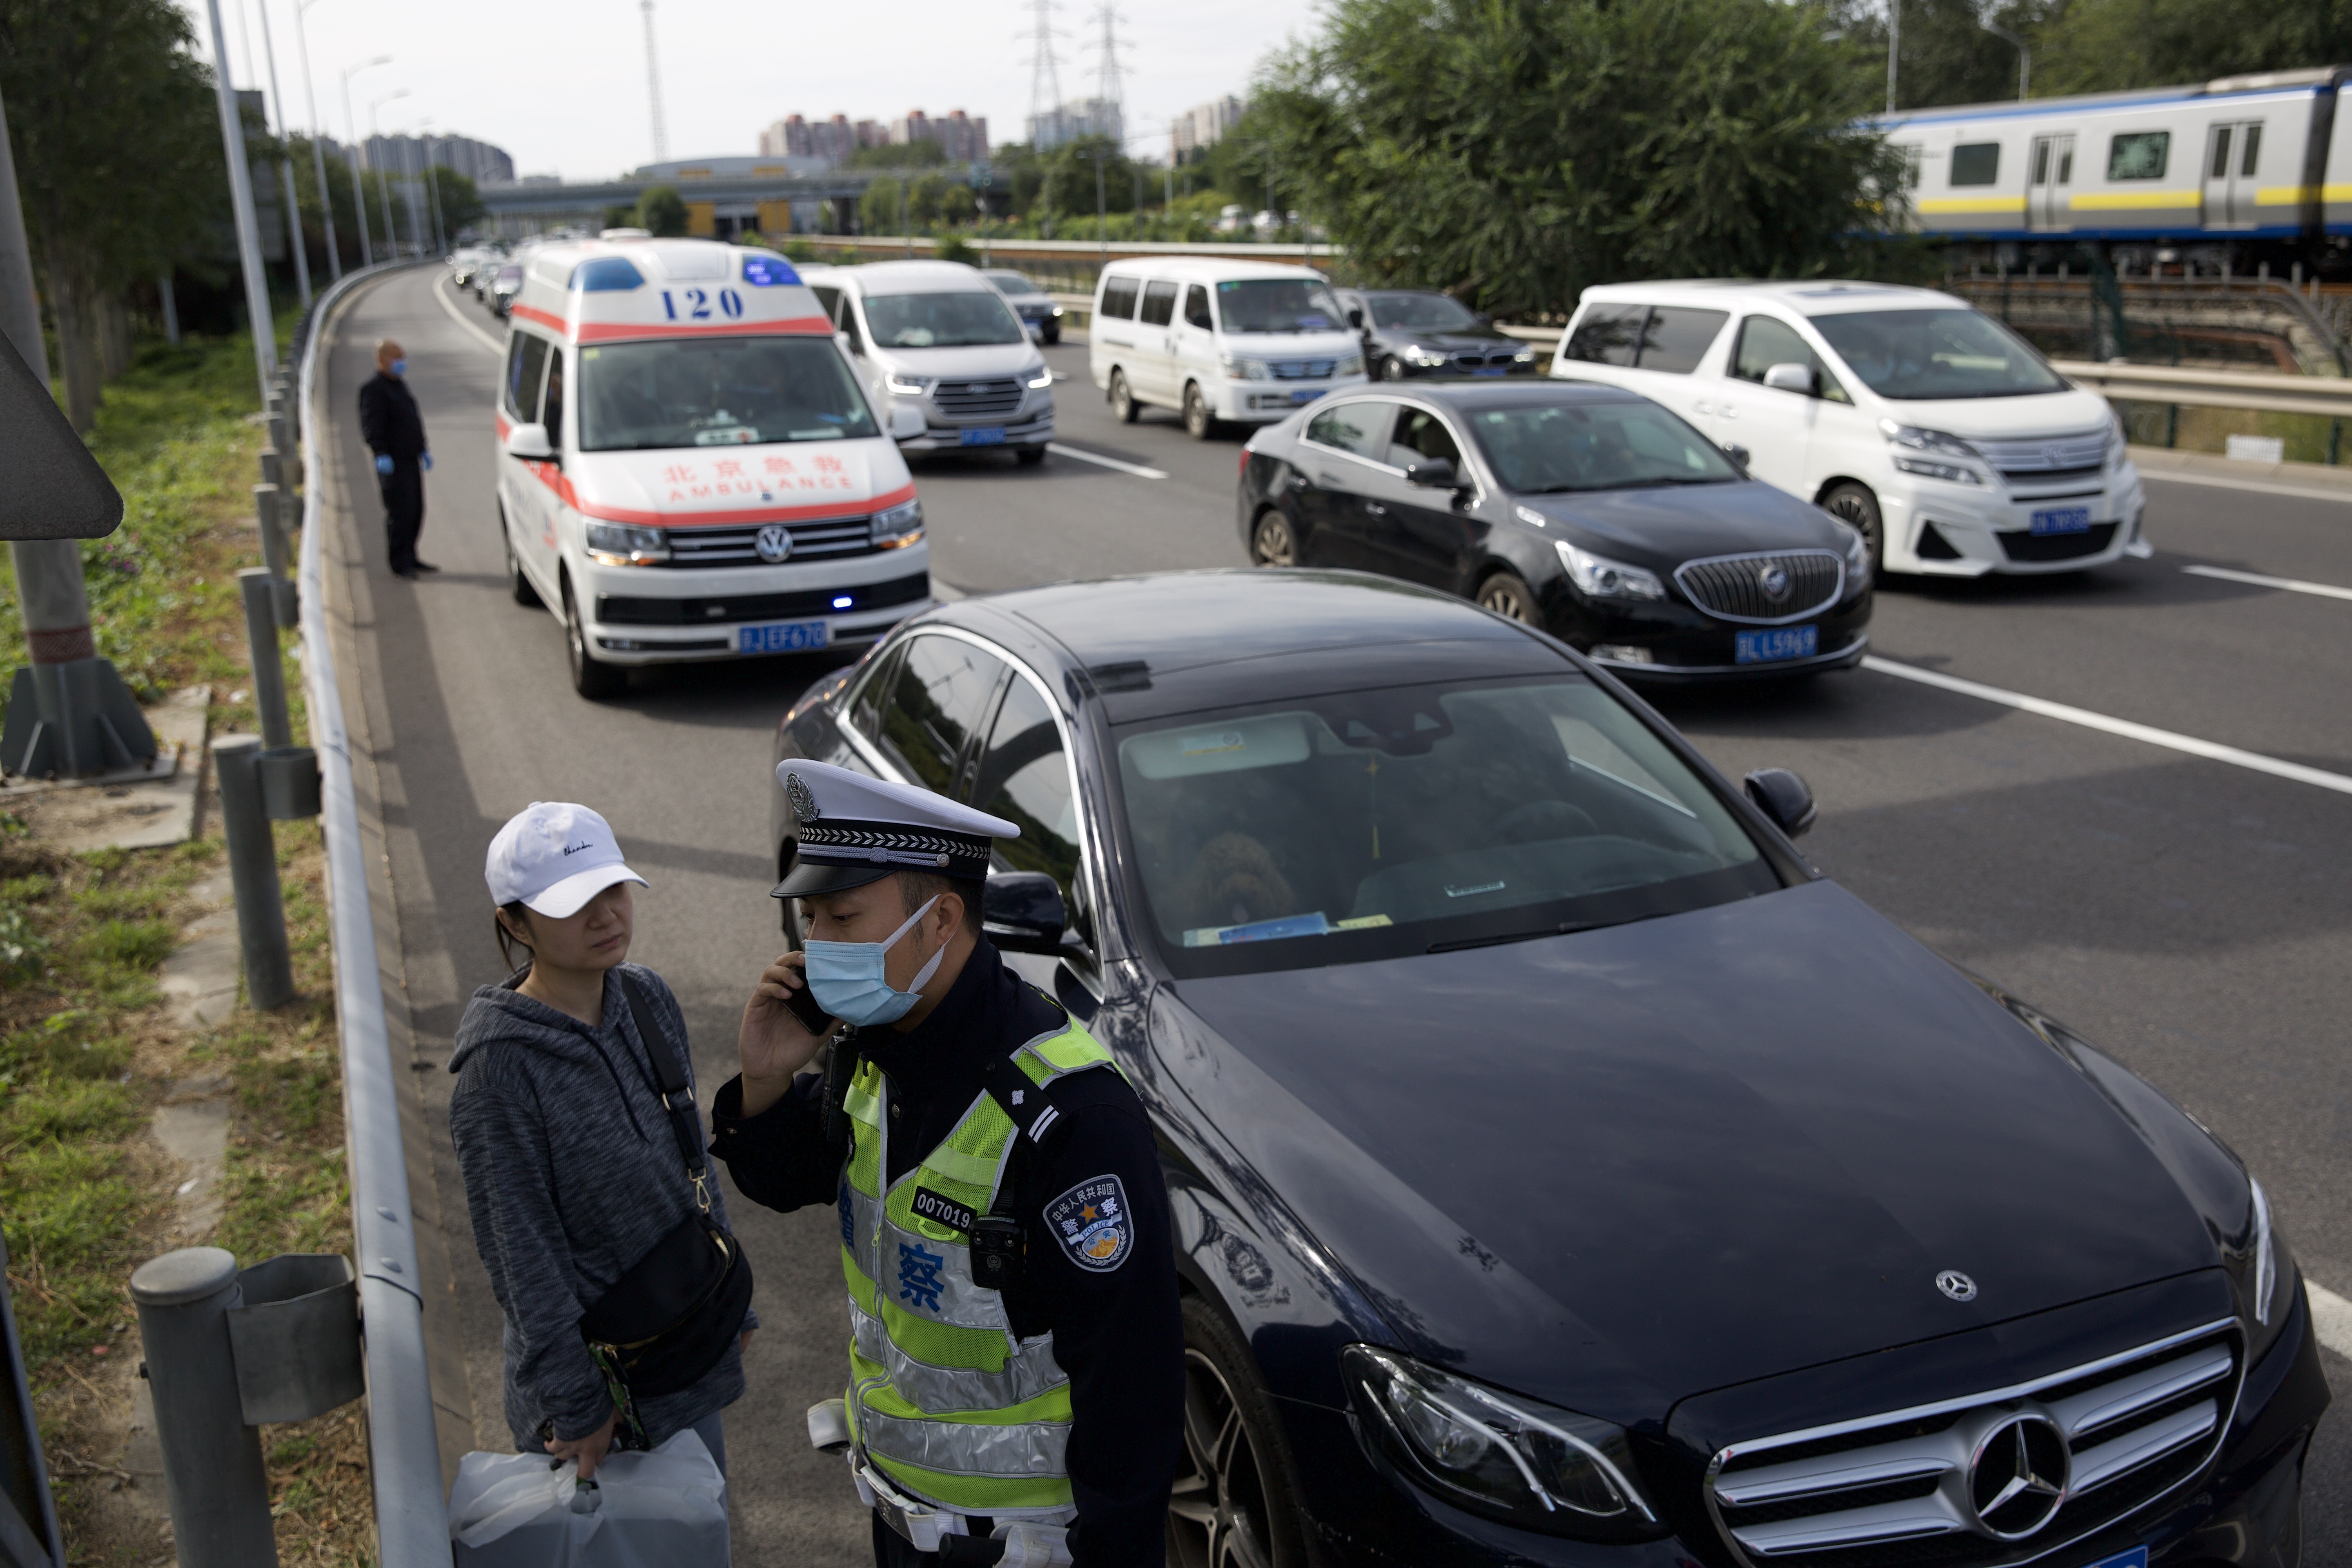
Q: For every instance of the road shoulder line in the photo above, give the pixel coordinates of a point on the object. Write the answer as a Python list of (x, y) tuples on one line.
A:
[(2290, 584), (458, 316), (1124, 467), (2331, 1315), (2211, 751)]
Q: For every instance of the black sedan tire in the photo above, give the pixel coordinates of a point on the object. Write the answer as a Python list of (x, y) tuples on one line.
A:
[(1508, 594), (1123, 406), (1272, 544), (1854, 504), (1392, 368), (1234, 1505), (1053, 335), (1199, 423), (591, 678)]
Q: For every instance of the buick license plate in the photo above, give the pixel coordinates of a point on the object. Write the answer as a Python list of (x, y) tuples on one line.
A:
[(2064, 519), (783, 636), (1777, 643), (986, 435), (2135, 1558)]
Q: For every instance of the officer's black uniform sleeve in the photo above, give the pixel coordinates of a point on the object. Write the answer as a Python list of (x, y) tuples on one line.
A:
[(375, 427), (778, 1158), (1115, 1330)]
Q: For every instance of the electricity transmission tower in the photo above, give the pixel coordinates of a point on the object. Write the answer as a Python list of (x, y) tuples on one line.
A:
[(653, 85), (1044, 78), (1110, 116)]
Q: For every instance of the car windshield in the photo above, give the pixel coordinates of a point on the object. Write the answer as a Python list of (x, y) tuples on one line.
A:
[(943, 320), (1376, 823), (1010, 282), (1915, 356), (717, 392), (1595, 447), (1278, 305), (1421, 310)]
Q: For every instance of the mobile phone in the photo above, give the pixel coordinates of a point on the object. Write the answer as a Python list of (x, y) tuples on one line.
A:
[(814, 1019)]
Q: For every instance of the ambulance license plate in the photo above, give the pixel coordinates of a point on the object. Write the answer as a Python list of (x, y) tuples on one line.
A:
[(783, 636), (2062, 519), (1778, 643), (986, 435)]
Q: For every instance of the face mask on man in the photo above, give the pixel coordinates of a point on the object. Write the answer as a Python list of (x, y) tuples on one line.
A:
[(398, 367), (847, 977)]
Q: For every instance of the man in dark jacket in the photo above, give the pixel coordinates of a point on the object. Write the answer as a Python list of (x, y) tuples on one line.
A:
[(394, 432)]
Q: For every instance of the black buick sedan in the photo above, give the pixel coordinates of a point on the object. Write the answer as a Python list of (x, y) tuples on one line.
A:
[(1412, 332), (1564, 1172), (1590, 511)]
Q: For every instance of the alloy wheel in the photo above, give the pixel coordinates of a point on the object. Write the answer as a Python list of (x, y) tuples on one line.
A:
[(1217, 1515), (1199, 423), (1272, 542), (1856, 507), (1507, 596), (1391, 368), (1122, 402)]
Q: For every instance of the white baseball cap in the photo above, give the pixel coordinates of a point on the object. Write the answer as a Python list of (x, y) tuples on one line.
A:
[(554, 857)]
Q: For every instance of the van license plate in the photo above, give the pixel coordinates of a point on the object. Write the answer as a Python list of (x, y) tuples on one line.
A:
[(1308, 394), (987, 436), (1778, 643), (783, 636), (2062, 519)]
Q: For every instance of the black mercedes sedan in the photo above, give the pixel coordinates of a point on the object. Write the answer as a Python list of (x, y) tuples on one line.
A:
[(1588, 510), (1418, 332), (1031, 304), (1564, 1172)]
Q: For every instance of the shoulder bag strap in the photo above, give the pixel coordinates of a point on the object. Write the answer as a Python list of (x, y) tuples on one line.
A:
[(669, 1072)]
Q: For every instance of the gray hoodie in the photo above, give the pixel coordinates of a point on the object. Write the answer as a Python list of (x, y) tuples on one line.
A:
[(572, 1174)]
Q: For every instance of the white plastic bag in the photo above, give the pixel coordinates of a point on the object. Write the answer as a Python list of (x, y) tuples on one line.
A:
[(644, 1510)]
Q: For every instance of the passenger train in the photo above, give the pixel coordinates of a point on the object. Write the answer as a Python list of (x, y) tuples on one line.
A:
[(2261, 164)]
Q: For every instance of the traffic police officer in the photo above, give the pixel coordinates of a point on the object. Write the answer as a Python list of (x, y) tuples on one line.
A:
[(1016, 1360)]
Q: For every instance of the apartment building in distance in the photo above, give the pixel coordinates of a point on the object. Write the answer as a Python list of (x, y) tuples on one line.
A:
[(1199, 128), (1076, 121), (962, 136)]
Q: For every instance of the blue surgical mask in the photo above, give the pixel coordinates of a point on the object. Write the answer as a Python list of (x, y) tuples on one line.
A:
[(399, 367), (847, 977)]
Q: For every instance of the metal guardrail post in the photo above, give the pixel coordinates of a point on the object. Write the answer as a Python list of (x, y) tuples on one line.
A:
[(266, 501), (253, 873), (258, 587), (213, 1474)]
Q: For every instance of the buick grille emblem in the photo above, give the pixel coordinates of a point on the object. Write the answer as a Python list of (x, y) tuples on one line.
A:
[(774, 543), (2018, 1475), (804, 802), (1774, 580), (1957, 1285)]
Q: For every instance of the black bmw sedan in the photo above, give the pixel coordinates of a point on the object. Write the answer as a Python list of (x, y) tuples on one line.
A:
[(1416, 332), (1564, 1172), (1590, 511)]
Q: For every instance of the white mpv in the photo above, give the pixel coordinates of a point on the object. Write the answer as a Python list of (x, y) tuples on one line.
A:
[(1928, 425), (1244, 342), (688, 465)]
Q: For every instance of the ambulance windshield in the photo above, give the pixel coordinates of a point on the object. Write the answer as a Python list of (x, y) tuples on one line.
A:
[(717, 392)]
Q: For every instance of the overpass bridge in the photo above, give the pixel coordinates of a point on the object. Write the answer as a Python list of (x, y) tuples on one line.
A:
[(781, 202)]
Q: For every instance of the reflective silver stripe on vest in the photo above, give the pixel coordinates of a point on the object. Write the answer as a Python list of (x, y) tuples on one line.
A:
[(1029, 1371), (967, 1448), (962, 1303)]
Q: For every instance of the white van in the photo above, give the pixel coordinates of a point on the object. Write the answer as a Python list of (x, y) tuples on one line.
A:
[(688, 465), (1931, 428), (1239, 340), (937, 338)]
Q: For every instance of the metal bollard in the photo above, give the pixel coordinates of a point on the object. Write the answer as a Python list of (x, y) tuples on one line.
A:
[(253, 873), (266, 501), (212, 1474), (273, 467), (258, 586)]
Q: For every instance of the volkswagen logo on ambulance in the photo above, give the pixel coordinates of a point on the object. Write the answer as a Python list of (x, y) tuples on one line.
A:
[(774, 544)]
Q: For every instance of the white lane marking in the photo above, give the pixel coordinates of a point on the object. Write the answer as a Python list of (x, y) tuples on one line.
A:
[(2292, 585), (2331, 1314), (2264, 486), (1137, 469), (2210, 750), (487, 342)]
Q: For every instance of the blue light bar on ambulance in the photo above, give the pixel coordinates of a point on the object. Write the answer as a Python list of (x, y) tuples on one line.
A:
[(763, 270)]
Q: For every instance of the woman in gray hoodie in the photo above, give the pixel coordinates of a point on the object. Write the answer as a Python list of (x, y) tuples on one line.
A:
[(572, 1172)]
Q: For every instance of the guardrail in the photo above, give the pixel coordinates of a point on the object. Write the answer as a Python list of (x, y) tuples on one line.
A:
[(412, 1520)]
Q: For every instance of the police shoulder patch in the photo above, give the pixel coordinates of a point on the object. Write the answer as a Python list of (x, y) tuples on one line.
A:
[(1092, 1224)]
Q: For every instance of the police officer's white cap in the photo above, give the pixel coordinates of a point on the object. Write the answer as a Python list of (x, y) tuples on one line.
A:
[(854, 830), (554, 857)]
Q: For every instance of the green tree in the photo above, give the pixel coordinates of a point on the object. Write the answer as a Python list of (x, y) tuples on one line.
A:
[(461, 201), (1516, 151), (2092, 46), (663, 211), (1948, 55), (899, 155), (883, 209)]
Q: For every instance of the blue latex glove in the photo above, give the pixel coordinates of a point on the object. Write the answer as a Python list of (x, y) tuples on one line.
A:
[(382, 465), (427, 460)]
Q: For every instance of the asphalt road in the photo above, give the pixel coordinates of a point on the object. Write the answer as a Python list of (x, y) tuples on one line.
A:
[(2184, 913)]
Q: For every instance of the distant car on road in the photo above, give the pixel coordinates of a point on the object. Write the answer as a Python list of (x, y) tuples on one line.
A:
[(1031, 304), (1586, 510), (1562, 1171), (505, 282), (1414, 332)]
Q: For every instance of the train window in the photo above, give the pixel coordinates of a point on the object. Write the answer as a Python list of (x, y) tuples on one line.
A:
[(2221, 151), (2253, 148), (1975, 163), (2139, 155)]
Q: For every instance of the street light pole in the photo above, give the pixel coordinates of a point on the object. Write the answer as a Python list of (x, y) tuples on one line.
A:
[(1894, 46), (286, 167), (317, 147), (391, 234), (433, 189), (240, 191), (2024, 55), (352, 155)]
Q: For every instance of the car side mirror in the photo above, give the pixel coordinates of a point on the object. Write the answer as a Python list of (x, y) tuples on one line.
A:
[(530, 442), (849, 345), (1356, 320), (1737, 454), (1792, 377), (906, 422), (1784, 798), (1433, 473), (1023, 912)]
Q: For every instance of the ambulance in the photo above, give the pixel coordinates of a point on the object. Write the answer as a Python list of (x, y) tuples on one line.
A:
[(689, 468)]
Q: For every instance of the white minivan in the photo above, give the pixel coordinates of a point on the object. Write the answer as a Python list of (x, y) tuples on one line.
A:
[(1928, 425), (688, 467), (1246, 342)]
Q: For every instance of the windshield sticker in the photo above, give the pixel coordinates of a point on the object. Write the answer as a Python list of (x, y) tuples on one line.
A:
[(1093, 1224), (1202, 745), (1456, 890), (1258, 931)]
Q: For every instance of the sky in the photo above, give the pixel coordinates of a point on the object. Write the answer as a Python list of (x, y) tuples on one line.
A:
[(562, 86)]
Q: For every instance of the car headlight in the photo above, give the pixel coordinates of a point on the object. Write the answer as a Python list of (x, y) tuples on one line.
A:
[(1499, 1454), (906, 385), (1351, 366), (1057, 310), (1524, 357), (622, 544), (1933, 454), (1599, 577), (1416, 354), (2118, 442), (1857, 556), (900, 526), (2264, 1274), (1239, 369), (1043, 379)]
